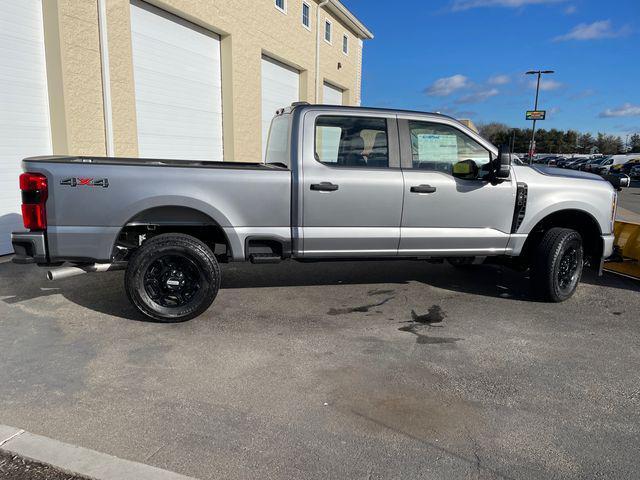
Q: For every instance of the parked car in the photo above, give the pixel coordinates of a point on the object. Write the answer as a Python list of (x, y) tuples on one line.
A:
[(562, 162), (614, 160), (578, 163), (626, 167), (567, 162), (546, 160), (338, 183), (593, 163)]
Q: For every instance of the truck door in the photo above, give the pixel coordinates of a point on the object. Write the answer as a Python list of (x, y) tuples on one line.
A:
[(448, 207), (351, 186)]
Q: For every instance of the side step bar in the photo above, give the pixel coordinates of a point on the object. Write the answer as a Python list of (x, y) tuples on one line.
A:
[(264, 258)]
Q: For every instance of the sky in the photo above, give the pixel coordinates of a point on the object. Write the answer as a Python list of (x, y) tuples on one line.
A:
[(467, 58)]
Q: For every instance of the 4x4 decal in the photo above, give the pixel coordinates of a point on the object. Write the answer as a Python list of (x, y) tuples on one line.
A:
[(85, 182)]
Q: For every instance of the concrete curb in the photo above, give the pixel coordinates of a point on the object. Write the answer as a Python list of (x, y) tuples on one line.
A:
[(78, 460)]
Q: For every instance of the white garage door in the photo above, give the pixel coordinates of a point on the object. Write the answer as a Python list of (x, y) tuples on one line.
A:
[(24, 104), (176, 68), (280, 88), (331, 95)]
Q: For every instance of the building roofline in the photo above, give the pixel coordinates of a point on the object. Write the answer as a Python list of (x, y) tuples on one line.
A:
[(339, 10)]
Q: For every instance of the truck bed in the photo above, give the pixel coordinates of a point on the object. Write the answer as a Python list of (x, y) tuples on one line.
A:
[(91, 199)]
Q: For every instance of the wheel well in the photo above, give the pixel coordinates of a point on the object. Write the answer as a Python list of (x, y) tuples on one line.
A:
[(171, 219), (577, 220)]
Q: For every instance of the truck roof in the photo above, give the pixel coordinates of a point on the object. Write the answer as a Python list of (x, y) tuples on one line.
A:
[(349, 108)]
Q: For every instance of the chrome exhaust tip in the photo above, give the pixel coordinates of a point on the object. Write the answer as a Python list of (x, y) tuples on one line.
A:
[(68, 272)]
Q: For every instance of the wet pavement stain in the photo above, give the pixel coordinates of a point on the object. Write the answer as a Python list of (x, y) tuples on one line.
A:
[(434, 315), (362, 308), (419, 322)]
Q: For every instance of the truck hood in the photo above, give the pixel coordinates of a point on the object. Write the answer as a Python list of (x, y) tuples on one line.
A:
[(558, 172)]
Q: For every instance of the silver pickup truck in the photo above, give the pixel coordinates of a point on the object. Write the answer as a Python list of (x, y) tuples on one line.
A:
[(337, 183)]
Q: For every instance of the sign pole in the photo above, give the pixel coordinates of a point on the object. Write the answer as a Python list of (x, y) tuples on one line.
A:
[(533, 129)]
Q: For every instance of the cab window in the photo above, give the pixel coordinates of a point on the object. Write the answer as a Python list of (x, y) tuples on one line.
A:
[(354, 142), (443, 148)]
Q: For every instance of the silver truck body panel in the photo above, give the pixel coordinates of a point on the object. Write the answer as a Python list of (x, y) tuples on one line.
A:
[(456, 216), (362, 217), (551, 190), (551, 193), (84, 222)]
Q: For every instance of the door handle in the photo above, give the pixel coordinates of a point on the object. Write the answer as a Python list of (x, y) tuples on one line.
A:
[(423, 189), (324, 187)]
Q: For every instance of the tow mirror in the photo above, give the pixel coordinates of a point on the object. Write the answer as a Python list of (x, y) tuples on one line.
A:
[(618, 181), (503, 162)]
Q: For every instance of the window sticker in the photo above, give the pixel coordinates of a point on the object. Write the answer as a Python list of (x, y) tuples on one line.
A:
[(437, 148)]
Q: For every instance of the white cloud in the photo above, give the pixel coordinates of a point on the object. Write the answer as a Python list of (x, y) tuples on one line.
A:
[(460, 5), (479, 96), (625, 110), (594, 31), (499, 80), (570, 10), (447, 85), (546, 84)]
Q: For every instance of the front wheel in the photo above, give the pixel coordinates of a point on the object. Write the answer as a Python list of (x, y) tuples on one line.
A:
[(172, 278), (557, 265)]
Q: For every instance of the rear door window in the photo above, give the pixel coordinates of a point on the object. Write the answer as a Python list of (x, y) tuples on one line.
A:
[(354, 142)]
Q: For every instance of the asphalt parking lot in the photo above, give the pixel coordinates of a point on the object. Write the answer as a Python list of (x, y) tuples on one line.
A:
[(629, 198), (336, 370)]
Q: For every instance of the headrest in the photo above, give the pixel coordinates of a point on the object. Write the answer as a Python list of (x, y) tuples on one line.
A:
[(380, 140)]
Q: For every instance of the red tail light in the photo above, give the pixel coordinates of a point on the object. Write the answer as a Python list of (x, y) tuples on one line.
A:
[(34, 196)]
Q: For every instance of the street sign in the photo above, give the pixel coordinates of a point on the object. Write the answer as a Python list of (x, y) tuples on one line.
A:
[(536, 114)]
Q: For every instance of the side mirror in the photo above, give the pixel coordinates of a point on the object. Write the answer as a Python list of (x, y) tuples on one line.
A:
[(502, 162), (618, 181), (466, 169)]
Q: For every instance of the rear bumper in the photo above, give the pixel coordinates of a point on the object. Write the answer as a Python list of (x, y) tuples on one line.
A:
[(29, 247)]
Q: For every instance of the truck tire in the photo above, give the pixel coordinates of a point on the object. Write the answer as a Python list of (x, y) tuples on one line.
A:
[(557, 265), (172, 278)]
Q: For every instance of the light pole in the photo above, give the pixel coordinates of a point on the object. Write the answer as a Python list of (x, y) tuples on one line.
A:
[(533, 130)]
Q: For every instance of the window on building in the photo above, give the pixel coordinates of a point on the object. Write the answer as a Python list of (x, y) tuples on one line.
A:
[(352, 142), (327, 31), (306, 15), (443, 148), (281, 5), (345, 44)]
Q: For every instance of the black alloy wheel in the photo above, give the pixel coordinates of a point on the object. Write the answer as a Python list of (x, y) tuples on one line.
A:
[(172, 278)]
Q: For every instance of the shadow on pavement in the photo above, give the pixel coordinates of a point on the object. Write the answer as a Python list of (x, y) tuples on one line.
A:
[(105, 292)]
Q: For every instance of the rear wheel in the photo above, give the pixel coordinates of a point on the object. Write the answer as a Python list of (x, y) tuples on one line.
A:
[(557, 265), (172, 278)]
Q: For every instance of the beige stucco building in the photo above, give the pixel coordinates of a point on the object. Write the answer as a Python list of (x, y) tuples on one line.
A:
[(248, 31), (195, 79)]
